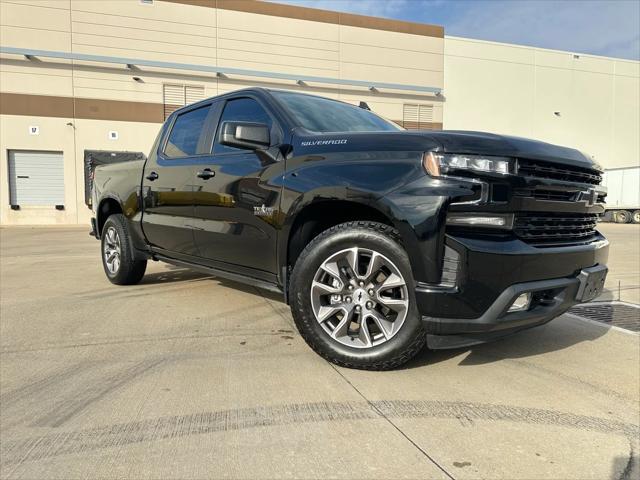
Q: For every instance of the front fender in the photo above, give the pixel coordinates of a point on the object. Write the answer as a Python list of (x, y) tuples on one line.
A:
[(419, 211)]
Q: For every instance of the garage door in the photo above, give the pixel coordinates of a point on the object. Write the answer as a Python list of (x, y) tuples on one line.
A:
[(36, 178)]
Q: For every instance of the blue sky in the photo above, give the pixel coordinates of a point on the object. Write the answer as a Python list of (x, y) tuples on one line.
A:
[(598, 27)]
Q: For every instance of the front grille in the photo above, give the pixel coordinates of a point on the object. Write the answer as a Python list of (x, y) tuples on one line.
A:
[(541, 194), (555, 229), (566, 173), (554, 195)]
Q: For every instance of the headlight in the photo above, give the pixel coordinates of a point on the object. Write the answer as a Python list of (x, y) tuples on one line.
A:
[(437, 164)]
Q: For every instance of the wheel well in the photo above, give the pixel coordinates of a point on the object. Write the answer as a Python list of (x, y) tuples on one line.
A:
[(319, 216), (107, 207)]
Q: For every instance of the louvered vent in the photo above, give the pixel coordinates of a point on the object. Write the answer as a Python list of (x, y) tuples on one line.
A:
[(417, 117), (193, 94), (176, 96)]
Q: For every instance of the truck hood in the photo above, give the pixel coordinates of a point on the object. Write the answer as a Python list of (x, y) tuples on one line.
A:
[(481, 143), (449, 141)]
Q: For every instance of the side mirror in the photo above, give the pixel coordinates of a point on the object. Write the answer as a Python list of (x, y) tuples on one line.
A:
[(247, 135)]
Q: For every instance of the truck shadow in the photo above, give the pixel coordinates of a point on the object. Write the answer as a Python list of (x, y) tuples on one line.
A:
[(174, 274), (556, 335), (559, 334)]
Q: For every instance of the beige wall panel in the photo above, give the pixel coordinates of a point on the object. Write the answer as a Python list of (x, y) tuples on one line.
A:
[(479, 96), (625, 151), (391, 57), (287, 51), (628, 69), (143, 46), (592, 64), (123, 79), (228, 59), (35, 84), (134, 34), (163, 11), (377, 73), (142, 24), (34, 17), (592, 114), (35, 39), (139, 54), (253, 38), (500, 52), (286, 63), (549, 58), (54, 135), (266, 24), (57, 4), (553, 92), (401, 41)]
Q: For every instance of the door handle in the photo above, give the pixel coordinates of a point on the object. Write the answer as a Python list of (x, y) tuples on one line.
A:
[(206, 174), (152, 176)]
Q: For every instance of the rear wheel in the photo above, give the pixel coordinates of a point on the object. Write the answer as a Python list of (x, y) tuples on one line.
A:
[(118, 258), (635, 216), (622, 216), (352, 297)]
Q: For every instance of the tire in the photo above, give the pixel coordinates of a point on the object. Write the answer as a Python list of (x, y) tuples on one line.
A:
[(622, 216), (391, 337), (635, 216), (117, 254)]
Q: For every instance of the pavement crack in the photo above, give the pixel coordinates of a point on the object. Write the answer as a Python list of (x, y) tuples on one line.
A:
[(390, 422)]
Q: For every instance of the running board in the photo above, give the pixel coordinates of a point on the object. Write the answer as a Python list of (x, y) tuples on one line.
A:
[(236, 277)]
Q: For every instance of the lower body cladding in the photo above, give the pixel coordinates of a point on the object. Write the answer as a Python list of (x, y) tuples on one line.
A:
[(496, 288)]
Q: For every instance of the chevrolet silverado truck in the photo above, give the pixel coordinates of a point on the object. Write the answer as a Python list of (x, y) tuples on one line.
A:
[(381, 239)]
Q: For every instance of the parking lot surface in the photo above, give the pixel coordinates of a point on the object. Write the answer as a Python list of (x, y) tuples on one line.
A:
[(189, 376)]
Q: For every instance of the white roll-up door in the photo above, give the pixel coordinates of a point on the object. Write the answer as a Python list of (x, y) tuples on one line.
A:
[(36, 178)]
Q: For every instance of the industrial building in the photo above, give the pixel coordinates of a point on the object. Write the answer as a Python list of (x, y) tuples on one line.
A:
[(87, 81)]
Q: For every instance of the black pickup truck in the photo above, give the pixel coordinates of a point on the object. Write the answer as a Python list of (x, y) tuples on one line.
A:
[(380, 239)]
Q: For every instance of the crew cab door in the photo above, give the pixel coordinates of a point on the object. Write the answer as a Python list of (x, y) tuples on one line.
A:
[(168, 181), (236, 201)]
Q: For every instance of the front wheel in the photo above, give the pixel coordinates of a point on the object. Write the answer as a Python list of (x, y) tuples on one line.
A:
[(352, 297), (118, 259)]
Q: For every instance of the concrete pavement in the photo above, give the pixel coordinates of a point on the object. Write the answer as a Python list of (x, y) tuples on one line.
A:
[(187, 376)]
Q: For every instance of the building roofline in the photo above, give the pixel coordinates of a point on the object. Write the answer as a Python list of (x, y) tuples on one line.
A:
[(542, 49), (317, 15)]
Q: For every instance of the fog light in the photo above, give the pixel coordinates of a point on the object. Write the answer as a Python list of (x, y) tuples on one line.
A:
[(521, 303)]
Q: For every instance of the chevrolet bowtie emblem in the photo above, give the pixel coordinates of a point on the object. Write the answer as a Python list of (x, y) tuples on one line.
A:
[(589, 196)]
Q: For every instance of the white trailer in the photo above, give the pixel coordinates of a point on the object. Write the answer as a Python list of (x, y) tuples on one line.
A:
[(623, 195)]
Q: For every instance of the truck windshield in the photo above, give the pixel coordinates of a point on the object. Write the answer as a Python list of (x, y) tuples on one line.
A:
[(319, 114)]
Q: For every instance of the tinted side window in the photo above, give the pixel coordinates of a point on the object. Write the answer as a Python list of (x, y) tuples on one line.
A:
[(240, 110), (187, 133)]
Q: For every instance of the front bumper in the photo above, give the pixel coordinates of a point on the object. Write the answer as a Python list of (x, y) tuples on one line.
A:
[(492, 275)]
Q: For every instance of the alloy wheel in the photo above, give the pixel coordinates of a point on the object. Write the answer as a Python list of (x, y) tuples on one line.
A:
[(112, 251), (359, 297)]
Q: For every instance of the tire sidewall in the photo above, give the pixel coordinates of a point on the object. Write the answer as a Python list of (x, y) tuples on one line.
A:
[(131, 269), (325, 245)]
